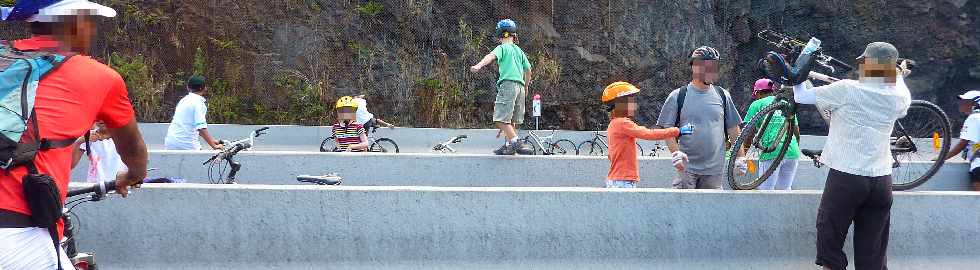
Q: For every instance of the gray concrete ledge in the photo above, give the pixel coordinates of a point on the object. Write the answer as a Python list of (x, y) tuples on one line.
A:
[(189, 226), (463, 170), (410, 140)]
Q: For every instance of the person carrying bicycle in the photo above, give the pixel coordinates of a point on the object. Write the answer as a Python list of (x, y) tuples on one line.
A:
[(515, 76), (970, 135), (366, 118), (700, 158), (350, 136), (69, 99), (620, 101), (782, 178), (858, 151)]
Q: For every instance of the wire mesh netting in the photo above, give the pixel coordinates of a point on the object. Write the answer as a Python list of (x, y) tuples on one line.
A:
[(286, 62)]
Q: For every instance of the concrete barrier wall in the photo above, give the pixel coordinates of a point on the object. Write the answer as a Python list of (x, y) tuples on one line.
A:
[(305, 227), (410, 140), (461, 170)]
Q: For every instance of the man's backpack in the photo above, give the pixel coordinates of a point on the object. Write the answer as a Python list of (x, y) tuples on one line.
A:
[(20, 73), (20, 139), (724, 106)]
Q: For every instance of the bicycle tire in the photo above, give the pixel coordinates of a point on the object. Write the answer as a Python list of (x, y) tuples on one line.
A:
[(764, 116), (533, 143), (384, 145), (591, 148), (328, 145), (564, 147), (923, 121), (639, 149)]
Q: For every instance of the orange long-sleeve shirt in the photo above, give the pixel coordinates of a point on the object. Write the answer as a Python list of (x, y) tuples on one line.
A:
[(623, 132)]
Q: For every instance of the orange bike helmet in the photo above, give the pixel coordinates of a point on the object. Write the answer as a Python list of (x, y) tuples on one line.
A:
[(618, 89)]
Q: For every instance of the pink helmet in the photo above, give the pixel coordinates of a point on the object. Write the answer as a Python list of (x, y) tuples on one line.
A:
[(762, 86)]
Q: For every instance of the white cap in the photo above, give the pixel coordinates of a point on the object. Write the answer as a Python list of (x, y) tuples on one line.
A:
[(971, 95), (70, 8)]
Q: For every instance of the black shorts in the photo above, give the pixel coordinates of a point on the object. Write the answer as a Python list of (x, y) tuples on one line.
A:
[(373, 123), (975, 175)]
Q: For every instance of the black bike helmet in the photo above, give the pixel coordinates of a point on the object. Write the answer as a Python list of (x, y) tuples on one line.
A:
[(506, 28), (705, 53)]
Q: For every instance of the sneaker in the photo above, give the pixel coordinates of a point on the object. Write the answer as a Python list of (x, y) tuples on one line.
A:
[(524, 148), (505, 150)]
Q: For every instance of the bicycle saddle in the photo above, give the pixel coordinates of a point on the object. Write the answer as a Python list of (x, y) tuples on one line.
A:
[(326, 180), (811, 153)]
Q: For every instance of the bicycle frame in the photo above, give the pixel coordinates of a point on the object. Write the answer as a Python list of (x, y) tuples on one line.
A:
[(543, 141)]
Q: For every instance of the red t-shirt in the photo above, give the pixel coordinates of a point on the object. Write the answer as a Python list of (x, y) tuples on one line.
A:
[(69, 100)]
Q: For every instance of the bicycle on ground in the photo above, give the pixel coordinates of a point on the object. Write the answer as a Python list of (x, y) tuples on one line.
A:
[(226, 158), (919, 141), (542, 145), (598, 145), (379, 145), (447, 146)]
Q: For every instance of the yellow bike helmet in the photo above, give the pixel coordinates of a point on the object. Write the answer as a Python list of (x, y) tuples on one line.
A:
[(346, 101), (618, 89)]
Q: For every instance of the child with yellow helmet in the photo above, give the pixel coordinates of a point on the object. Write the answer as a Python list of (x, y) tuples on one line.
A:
[(620, 101), (350, 136)]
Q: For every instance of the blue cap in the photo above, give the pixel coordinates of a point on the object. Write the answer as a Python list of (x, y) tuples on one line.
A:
[(25, 9)]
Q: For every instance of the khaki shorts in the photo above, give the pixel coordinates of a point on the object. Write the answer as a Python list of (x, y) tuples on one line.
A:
[(509, 106)]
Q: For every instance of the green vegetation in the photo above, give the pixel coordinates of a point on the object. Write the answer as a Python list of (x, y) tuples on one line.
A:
[(145, 94), (200, 63), (7, 3), (371, 8), (315, 7)]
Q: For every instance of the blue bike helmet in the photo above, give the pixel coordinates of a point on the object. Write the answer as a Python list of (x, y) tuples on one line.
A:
[(506, 28)]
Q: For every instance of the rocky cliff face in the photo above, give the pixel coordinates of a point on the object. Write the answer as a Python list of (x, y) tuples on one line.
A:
[(287, 61)]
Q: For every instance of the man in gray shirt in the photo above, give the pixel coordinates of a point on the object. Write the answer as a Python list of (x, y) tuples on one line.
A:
[(700, 158)]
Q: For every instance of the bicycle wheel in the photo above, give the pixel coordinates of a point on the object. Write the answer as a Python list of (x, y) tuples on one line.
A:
[(328, 145), (535, 150), (756, 146), (591, 148), (564, 147), (919, 142), (384, 145), (639, 150)]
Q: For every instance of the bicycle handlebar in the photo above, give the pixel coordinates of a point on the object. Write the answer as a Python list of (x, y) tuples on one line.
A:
[(99, 189)]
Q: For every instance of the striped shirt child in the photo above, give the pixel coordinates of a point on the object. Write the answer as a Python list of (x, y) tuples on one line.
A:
[(348, 135)]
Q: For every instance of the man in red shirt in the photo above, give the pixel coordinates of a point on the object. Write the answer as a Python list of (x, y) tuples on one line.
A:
[(69, 99)]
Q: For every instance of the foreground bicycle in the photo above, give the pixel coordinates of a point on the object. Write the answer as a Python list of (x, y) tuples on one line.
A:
[(381, 145), (543, 145), (227, 157), (918, 141), (98, 192)]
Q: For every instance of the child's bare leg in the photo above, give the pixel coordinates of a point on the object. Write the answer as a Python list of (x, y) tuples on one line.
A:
[(508, 131)]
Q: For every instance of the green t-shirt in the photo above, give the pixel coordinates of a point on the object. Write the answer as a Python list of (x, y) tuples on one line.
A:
[(768, 135), (511, 63)]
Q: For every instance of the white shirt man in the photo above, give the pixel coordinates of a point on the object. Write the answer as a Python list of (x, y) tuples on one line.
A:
[(190, 120), (858, 151)]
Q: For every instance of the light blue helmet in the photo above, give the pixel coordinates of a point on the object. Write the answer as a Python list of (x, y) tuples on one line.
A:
[(506, 27)]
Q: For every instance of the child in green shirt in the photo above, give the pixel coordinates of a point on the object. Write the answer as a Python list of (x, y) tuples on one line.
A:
[(515, 75), (782, 178)]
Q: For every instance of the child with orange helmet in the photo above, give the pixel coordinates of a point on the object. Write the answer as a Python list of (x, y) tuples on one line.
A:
[(620, 99)]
